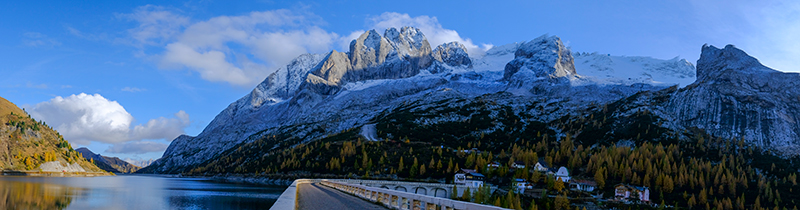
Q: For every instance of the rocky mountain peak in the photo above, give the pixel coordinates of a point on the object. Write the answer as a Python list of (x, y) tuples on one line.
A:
[(452, 54), (714, 62), (545, 56), (368, 50), (408, 41)]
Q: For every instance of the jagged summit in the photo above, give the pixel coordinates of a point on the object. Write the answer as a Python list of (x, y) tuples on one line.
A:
[(397, 54), (714, 61), (543, 57)]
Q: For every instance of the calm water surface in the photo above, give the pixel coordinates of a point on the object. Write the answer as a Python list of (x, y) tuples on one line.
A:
[(131, 192)]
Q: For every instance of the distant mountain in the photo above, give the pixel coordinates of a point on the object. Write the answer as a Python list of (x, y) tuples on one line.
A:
[(30, 145), (140, 163), (111, 164)]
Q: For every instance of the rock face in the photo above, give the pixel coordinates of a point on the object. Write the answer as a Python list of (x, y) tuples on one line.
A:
[(543, 57), (396, 54), (55, 166), (735, 96), (452, 54)]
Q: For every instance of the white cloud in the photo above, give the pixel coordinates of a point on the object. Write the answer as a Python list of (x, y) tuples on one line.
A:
[(240, 50), (156, 24), (39, 86), (133, 89), (137, 147), (36, 39), (84, 118), (429, 26)]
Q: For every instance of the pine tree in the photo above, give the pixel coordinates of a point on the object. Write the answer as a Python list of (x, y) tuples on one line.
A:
[(599, 178), (414, 168), (467, 196), (533, 205), (400, 167), (561, 202)]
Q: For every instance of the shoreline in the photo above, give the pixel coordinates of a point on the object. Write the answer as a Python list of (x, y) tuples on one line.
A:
[(54, 173)]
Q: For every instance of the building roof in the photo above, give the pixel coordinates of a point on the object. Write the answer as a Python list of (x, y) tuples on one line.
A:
[(584, 182), (470, 172), (543, 163), (519, 162), (639, 188)]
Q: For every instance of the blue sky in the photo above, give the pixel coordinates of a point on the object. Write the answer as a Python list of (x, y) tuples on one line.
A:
[(125, 77)]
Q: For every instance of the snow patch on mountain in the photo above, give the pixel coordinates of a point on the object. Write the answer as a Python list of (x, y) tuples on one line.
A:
[(628, 70)]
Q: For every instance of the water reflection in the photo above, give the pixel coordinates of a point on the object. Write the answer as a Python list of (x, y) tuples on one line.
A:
[(25, 195), (131, 192)]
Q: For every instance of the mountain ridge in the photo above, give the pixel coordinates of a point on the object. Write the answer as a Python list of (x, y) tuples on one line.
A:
[(110, 164), (542, 70)]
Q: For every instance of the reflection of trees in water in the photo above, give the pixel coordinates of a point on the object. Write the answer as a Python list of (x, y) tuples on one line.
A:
[(25, 195)]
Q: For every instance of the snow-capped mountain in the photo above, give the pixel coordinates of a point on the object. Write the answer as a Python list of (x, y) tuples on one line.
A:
[(317, 95)]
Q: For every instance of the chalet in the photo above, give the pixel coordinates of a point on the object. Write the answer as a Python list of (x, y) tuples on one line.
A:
[(541, 166), (562, 174), (522, 185), (518, 164), (468, 177), (582, 185), (624, 192), (493, 164)]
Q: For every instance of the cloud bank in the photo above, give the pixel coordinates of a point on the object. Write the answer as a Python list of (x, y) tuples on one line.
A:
[(85, 118), (240, 50), (243, 50)]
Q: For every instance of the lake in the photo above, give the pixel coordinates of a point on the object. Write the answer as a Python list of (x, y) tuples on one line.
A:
[(131, 192)]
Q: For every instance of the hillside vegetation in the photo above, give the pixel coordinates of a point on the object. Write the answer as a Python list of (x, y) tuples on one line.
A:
[(26, 143), (610, 144)]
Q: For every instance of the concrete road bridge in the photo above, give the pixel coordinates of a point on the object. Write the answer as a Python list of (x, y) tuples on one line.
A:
[(391, 194)]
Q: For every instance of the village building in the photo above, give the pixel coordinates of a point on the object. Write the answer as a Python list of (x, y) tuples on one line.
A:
[(493, 164), (562, 174), (541, 166), (518, 164), (582, 185), (625, 192), (468, 177), (522, 184)]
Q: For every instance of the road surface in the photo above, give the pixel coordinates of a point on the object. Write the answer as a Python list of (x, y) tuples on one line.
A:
[(317, 196)]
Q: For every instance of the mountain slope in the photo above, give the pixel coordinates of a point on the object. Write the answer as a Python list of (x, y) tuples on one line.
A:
[(110, 164), (28, 145), (735, 96), (341, 91)]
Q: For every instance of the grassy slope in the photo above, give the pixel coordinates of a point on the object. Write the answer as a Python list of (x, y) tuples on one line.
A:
[(25, 143)]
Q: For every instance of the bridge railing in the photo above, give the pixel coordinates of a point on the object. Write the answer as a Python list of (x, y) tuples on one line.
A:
[(404, 200)]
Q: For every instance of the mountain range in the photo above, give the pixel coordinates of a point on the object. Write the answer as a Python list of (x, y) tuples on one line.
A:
[(729, 94), (110, 164)]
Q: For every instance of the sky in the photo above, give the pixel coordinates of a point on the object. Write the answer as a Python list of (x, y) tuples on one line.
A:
[(124, 78)]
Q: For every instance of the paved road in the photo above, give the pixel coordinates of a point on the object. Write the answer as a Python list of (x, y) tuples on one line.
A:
[(317, 196)]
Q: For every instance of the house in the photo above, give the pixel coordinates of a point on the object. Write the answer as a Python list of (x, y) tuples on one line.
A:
[(518, 164), (493, 164), (541, 166), (582, 185), (468, 177), (562, 174), (522, 184), (625, 192)]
